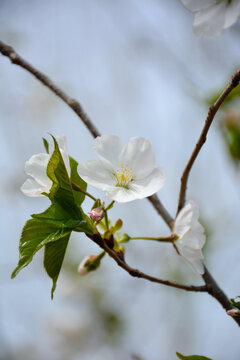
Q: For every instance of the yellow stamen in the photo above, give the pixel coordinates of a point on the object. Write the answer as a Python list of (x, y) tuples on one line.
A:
[(123, 176)]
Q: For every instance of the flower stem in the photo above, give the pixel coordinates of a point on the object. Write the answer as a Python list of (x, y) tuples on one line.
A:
[(106, 219), (110, 205), (106, 214), (169, 238), (78, 188)]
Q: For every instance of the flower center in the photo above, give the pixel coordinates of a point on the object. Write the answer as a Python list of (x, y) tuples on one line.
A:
[(123, 176)]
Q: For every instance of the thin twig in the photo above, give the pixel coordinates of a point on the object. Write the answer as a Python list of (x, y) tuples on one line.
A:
[(139, 274), (210, 116), (74, 104)]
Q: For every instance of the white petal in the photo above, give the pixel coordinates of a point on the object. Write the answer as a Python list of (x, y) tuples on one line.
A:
[(95, 174), (198, 266), (184, 219), (191, 236), (198, 232), (232, 13), (139, 156), (65, 156), (32, 188), (194, 257), (121, 194), (195, 5), (62, 142), (150, 184), (192, 240), (36, 167), (108, 149), (210, 22)]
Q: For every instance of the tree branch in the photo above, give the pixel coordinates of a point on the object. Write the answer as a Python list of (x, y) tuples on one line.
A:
[(139, 274), (72, 103), (16, 59), (210, 116), (215, 291)]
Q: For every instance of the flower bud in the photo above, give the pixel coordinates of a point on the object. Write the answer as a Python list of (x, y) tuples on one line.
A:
[(125, 238), (97, 214), (233, 312), (83, 266), (118, 224)]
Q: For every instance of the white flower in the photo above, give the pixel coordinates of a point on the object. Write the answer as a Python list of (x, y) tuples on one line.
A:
[(36, 168), (124, 172), (213, 16), (191, 236)]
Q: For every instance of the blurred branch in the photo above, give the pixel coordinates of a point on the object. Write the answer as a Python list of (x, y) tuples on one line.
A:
[(137, 273), (203, 136), (16, 59), (72, 103)]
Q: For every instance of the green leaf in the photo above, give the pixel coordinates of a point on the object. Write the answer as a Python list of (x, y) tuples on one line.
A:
[(78, 196), (192, 357), (54, 253), (57, 216), (51, 225), (61, 189), (46, 145)]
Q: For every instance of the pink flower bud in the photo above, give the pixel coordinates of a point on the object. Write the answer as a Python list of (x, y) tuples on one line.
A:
[(233, 312), (97, 214), (83, 268)]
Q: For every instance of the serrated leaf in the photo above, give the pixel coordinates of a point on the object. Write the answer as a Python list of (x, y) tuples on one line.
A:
[(78, 196), (61, 189), (192, 357), (57, 216), (51, 225), (54, 253)]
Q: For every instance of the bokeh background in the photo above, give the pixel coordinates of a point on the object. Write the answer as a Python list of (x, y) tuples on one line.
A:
[(138, 69)]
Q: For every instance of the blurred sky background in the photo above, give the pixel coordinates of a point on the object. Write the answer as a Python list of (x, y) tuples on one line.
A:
[(138, 69)]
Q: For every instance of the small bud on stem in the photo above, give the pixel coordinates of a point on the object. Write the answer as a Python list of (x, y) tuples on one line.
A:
[(97, 214), (233, 312), (90, 263)]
